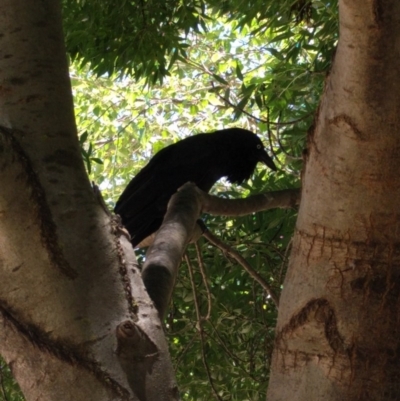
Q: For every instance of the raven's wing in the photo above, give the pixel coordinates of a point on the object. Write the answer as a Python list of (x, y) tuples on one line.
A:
[(144, 202)]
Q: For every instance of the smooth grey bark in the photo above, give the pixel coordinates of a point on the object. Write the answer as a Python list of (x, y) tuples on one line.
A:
[(75, 320), (338, 332)]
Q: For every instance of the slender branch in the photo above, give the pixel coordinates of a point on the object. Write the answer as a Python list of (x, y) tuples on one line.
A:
[(288, 155), (193, 284), (205, 281), (239, 362), (235, 255), (179, 358), (200, 329)]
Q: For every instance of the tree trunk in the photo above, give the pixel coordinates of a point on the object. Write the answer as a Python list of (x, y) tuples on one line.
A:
[(76, 322), (338, 334)]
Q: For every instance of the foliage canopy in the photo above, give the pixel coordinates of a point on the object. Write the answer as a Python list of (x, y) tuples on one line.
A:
[(145, 38)]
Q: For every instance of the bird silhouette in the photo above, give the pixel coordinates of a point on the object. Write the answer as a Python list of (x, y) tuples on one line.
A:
[(203, 159)]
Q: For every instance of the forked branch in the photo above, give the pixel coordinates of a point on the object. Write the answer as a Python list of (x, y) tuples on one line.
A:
[(165, 254)]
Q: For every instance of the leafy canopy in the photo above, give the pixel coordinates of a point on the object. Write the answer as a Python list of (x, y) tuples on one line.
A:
[(145, 38)]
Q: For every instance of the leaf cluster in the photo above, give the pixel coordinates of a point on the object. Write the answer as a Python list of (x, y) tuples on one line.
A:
[(131, 37), (145, 38)]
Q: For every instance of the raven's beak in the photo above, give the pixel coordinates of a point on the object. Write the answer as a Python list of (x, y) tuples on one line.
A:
[(268, 161)]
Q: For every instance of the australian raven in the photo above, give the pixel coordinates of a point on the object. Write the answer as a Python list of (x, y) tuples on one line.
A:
[(203, 159)]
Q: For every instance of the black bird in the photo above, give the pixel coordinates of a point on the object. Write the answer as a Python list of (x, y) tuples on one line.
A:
[(203, 159)]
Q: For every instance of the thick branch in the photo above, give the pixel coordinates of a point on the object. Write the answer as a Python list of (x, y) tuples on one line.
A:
[(165, 254), (287, 198)]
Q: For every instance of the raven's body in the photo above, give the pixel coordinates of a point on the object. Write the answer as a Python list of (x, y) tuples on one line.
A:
[(202, 159)]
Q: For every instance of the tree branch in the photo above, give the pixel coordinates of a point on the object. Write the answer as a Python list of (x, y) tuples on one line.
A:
[(200, 330), (165, 254), (287, 198), (205, 281), (226, 249)]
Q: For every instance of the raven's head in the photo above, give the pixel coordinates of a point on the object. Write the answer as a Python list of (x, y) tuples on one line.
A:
[(243, 150), (262, 155)]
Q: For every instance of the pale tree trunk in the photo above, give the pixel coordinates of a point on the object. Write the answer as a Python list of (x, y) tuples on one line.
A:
[(338, 334), (75, 320)]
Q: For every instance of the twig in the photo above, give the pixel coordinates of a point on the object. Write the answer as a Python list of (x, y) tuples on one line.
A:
[(235, 255), (280, 143), (240, 363), (181, 355), (205, 281), (200, 328), (260, 120)]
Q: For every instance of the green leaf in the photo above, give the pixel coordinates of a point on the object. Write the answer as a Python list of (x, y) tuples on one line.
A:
[(220, 79), (83, 137), (239, 72)]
